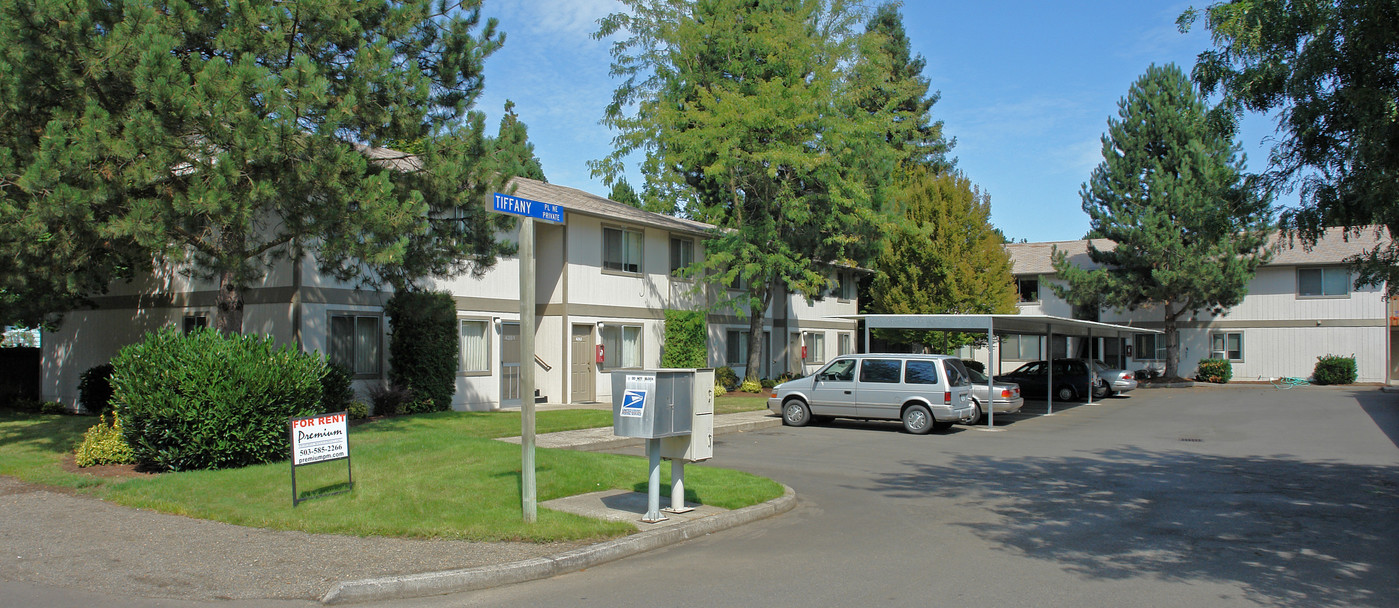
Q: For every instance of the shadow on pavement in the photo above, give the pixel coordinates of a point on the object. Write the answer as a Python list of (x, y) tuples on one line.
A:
[(1383, 408), (1291, 533)]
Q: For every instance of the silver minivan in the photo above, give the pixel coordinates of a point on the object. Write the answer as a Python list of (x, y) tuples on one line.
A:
[(926, 392)]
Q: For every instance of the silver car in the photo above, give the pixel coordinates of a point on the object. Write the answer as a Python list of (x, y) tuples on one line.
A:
[(926, 392), (1113, 381), (1006, 400)]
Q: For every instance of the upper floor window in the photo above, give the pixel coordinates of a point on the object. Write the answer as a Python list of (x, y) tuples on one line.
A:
[(682, 254), (1319, 282), (621, 249), (845, 288), (1029, 289)]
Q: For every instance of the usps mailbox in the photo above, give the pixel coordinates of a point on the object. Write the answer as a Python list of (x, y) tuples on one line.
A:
[(673, 409)]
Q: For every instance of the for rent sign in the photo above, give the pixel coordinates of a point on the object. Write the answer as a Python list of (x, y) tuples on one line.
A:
[(319, 438)]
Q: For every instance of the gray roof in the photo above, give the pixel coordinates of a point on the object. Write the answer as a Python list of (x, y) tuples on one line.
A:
[(1333, 248), (578, 201)]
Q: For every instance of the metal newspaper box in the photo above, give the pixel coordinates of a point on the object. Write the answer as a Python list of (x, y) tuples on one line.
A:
[(651, 404)]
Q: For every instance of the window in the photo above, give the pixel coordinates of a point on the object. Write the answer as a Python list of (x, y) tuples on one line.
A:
[(475, 346), (354, 343), (843, 344), (815, 344), (1150, 347), (881, 370), (621, 249), (682, 254), (845, 289), (1227, 345), (736, 345), (843, 370), (1029, 289), (1021, 347), (921, 372), (195, 321), (1323, 282), (621, 347)]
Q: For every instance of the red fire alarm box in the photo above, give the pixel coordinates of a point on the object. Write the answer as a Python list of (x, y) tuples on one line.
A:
[(803, 351), (601, 353)]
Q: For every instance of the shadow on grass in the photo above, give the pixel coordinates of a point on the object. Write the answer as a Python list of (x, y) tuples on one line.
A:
[(57, 434), (1289, 532)]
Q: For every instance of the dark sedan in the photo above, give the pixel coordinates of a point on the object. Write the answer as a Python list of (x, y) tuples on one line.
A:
[(1071, 379)]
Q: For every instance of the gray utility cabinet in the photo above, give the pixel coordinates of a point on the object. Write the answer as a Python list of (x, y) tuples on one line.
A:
[(672, 404)]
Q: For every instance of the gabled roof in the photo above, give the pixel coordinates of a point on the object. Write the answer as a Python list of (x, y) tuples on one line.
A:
[(577, 201), (1333, 248)]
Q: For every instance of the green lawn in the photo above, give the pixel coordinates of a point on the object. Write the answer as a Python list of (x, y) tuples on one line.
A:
[(425, 476), (731, 404)]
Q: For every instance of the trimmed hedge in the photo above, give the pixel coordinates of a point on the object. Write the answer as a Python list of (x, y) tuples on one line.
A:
[(686, 339), (203, 400), (1217, 371), (423, 348), (1334, 369)]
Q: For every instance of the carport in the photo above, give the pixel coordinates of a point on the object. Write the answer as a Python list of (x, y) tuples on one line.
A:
[(1000, 325)]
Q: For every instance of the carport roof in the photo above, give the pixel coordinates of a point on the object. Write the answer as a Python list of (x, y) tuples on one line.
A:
[(1002, 324)]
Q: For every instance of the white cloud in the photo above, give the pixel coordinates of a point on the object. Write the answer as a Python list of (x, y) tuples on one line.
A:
[(571, 19)]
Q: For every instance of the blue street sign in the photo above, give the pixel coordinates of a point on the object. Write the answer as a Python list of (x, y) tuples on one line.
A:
[(524, 207)]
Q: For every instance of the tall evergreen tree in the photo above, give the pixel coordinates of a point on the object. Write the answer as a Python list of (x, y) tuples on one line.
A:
[(219, 137), (748, 119), (512, 150), (944, 258), (1330, 68), (899, 86), (1171, 193)]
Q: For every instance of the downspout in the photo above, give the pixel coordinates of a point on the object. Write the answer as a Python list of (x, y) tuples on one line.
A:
[(296, 295)]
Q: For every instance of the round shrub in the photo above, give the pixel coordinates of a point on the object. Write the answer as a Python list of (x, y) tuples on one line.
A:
[(726, 376), (52, 408), (95, 388), (357, 410), (750, 386), (719, 390), (1334, 369), (1217, 371), (207, 401)]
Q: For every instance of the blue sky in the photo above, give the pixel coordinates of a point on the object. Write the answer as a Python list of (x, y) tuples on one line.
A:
[(1027, 88)]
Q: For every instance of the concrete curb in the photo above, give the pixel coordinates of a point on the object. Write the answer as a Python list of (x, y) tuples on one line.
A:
[(484, 577)]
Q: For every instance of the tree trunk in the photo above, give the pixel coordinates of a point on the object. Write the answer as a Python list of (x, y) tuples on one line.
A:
[(1172, 344), (756, 314), (229, 318)]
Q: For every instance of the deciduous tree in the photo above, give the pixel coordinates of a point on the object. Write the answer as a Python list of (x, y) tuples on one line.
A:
[(1330, 69), (1171, 193)]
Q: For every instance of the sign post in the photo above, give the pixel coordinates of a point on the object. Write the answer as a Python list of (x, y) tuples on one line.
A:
[(319, 439), (530, 211)]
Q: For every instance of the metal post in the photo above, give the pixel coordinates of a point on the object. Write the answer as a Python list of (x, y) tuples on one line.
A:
[(527, 330), (1092, 369), (653, 484), (1049, 360), (677, 486), (990, 378)]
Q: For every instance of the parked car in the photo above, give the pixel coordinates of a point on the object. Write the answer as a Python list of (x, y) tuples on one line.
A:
[(1007, 399), (926, 392), (1071, 379), (1115, 380)]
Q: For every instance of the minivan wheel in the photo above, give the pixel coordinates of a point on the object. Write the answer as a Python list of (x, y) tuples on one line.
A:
[(795, 413), (976, 413), (918, 419), (1065, 393)]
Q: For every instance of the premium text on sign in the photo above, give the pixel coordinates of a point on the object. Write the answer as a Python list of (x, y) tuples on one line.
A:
[(319, 438)]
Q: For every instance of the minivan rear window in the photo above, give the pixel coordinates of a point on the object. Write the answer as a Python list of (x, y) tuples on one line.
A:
[(880, 370), (921, 372)]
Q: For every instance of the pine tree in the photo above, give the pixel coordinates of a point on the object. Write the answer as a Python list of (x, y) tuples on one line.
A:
[(1171, 193), (218, 138), (899, 86)]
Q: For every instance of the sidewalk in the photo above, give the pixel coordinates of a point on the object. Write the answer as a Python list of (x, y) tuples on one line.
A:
[(59, 540)]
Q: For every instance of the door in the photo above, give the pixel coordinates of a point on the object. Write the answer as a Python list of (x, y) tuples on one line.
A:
[(510, 364), (833, 389), (879, 392), (583, 358)]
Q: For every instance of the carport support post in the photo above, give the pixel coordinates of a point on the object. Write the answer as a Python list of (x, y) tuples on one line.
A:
[(1049, 360), (990, 378), (1092, 369)]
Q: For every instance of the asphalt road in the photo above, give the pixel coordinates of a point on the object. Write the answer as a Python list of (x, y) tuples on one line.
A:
[(1201, 497)]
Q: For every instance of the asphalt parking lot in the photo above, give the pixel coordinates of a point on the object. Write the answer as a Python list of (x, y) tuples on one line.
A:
[(1211, 496)]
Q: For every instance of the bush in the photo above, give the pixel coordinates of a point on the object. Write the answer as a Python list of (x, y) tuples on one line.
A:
[(203, 400), (52, 408), (357, 410), (336, 389), (95, 389), (974, 364), (686, 339), (719, 390), (1217, 371), (726, 376), (750, 386), (767, 383), (1334, 369), (390, 399), (104, 444), (424, 346)]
